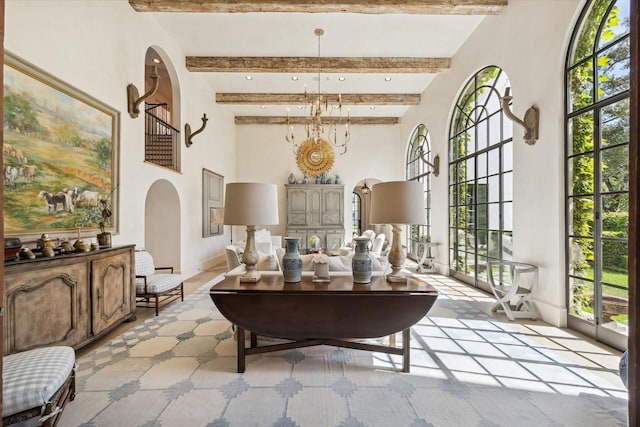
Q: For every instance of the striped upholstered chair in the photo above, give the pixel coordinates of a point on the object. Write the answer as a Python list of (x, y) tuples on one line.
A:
[(37, 384), (152, 283)]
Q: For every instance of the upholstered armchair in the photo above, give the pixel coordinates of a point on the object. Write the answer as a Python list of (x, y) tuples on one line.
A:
[(150, 284)]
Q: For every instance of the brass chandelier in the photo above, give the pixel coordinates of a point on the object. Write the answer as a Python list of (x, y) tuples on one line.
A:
[(315, 106)]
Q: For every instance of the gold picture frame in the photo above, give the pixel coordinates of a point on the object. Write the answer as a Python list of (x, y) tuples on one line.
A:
[(61, 156), (315, 157)]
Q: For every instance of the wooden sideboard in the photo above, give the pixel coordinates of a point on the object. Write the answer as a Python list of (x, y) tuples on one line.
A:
[(68, 299), (316, 209)]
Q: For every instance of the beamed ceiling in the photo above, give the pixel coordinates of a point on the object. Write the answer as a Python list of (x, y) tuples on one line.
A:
[(376, 56)]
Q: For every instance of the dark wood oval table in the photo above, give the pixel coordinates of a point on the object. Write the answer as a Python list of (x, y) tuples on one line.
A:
[(336, 313)]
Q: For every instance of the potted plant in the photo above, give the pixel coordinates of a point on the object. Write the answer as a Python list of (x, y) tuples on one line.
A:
[(104, 238)]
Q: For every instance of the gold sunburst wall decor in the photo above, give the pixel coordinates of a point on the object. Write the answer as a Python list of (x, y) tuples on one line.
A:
[(315, 157)]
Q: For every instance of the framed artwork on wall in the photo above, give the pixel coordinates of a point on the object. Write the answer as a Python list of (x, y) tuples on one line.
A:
[(212, 199), (61, 150)]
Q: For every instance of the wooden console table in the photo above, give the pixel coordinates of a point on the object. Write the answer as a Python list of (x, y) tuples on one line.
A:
[(333, 313), (67, 299)]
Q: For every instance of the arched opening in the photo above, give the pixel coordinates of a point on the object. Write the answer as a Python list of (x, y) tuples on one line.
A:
[(162, 224), (361, 199), (162, 112)]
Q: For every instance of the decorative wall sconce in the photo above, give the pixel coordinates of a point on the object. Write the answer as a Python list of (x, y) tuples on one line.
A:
[(188, 136), (436, 161), (531, 120), (133, 98)]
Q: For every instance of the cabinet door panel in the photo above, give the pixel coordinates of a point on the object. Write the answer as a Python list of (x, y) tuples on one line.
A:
[(111, 287), (48, 306), (297, 212), (332, 211), (315, 208)]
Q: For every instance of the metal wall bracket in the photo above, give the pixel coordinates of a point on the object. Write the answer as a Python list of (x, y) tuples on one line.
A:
[(188, 136), (531, 122), (133, 98), (435, 166)]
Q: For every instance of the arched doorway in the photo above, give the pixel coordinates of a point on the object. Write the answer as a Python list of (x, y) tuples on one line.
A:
[(162, 224)]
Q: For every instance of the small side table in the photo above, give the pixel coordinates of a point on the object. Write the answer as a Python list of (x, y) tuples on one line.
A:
[(426, 263), (524, 279)]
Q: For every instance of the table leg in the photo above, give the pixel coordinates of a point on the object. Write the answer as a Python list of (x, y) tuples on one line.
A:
[(241, 360), (406, 347)]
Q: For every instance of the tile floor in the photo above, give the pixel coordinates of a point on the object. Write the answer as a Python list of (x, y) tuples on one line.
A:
[(469, 367)]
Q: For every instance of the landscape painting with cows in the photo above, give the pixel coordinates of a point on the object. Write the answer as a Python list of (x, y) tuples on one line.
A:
[(60, 154)]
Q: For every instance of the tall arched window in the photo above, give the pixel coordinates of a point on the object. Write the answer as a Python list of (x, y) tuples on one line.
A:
[(597, 171), (417, 170), (480, 178)]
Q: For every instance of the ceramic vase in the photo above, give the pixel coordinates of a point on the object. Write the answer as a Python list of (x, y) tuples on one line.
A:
[(292, 178), (291, 260), (361, 262)]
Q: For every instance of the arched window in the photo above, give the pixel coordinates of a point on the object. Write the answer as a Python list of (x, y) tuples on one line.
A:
[(417, 170), (480, 178), (597, 171)]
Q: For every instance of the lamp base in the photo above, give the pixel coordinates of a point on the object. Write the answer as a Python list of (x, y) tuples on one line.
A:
[(396, 278), (250, 276)]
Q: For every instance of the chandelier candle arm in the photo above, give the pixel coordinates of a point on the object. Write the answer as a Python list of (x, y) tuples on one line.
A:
[(320, 105)]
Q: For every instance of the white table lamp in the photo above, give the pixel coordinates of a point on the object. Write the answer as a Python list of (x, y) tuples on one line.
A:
[(397, 203), (250, 204)]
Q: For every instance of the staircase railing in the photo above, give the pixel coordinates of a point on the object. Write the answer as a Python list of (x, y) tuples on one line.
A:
[(161, 139)]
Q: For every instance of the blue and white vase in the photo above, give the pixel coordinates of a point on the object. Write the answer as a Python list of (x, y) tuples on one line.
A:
[(292, 178), (291, 260), (317, 179), (337, 179), (361, 262)]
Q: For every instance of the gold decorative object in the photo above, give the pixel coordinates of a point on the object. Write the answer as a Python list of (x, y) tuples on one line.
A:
[(315, 157)]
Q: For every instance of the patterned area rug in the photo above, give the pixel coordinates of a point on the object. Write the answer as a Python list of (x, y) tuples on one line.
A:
[(468, 369)]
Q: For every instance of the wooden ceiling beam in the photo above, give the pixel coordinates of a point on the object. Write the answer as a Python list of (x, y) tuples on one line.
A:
[(299, 98), (300, 120), (311, 64), (419, 7)]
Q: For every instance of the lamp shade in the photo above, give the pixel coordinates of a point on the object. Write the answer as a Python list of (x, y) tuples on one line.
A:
[(397, 202), (251, 203)]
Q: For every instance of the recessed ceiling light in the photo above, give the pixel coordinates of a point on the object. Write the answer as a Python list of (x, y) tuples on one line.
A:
[(387, 79), (264, 107), (156, 60), (373, 107), (341, 78), (294, 78), (249, 78), (300, 107)]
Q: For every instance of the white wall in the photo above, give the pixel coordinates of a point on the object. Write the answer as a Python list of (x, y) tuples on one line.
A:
[(529, 43), (374, 152), (99, 47)]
